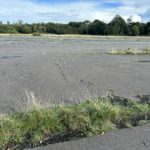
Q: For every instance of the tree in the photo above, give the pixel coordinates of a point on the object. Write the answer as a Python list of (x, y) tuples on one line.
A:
[(75, 24), (87, 22), (84, 28), (51, 28), (20, 22), (26, 29), (34, 28), (135, 30), (97, 27), (129, 21), (142, 28), (7, 29), (147, 28), (118, 26)]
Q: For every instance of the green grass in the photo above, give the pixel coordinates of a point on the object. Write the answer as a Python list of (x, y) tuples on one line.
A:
[(87, 118), (129, 51)]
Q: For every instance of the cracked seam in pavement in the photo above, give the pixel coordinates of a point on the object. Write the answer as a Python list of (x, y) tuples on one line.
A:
[(61, 71)]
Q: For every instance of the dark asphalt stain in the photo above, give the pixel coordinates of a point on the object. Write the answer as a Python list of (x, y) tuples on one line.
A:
[(144, 61), (89, 84), (144, 143), (144, 98), (10, 57)]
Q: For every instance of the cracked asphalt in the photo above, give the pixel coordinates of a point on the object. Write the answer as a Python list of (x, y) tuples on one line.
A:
[(63, 69)]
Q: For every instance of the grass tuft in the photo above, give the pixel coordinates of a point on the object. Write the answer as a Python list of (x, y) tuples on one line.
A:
[(129, 51)]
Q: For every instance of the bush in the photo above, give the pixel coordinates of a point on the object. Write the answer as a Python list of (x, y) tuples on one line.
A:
[(36, 34)]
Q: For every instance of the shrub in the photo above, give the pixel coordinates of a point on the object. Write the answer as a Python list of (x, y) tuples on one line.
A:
[(36, 34)]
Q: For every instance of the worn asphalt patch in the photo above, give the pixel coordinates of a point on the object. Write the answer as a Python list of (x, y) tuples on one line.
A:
[(68, 70)]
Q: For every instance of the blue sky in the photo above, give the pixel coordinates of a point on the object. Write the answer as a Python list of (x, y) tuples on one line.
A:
[(73, 10)]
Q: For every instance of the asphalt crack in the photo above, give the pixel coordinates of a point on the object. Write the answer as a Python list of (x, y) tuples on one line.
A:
[(61, 71), (144, 143), (89, 84)]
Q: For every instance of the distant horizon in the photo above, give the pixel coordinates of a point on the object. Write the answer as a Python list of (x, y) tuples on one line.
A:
[(64, 11), (65, 23)]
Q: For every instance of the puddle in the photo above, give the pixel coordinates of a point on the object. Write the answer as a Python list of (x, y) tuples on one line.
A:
[(10, 57)]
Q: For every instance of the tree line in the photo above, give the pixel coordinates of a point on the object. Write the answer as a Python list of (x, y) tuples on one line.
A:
[(117, 26)]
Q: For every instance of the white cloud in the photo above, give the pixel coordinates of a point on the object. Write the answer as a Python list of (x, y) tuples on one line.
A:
[(136, 18), (30, 11), (136, 8)]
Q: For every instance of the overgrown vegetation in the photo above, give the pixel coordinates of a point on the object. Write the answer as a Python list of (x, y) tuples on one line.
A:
[(38, 125), (118, 26), (129, 51)]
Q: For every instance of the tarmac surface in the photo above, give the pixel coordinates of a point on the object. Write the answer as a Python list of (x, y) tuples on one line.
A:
[(66, 69)]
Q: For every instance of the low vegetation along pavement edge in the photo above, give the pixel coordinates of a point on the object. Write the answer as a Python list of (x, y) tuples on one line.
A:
[(46, 125)]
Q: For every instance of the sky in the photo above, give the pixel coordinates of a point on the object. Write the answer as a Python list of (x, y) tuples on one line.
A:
[(64, 11)]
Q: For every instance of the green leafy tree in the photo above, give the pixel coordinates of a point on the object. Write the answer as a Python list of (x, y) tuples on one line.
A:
[(26, 29), (97, 28), (7, 29), (147, 28), (118, 26), (135, 30)]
